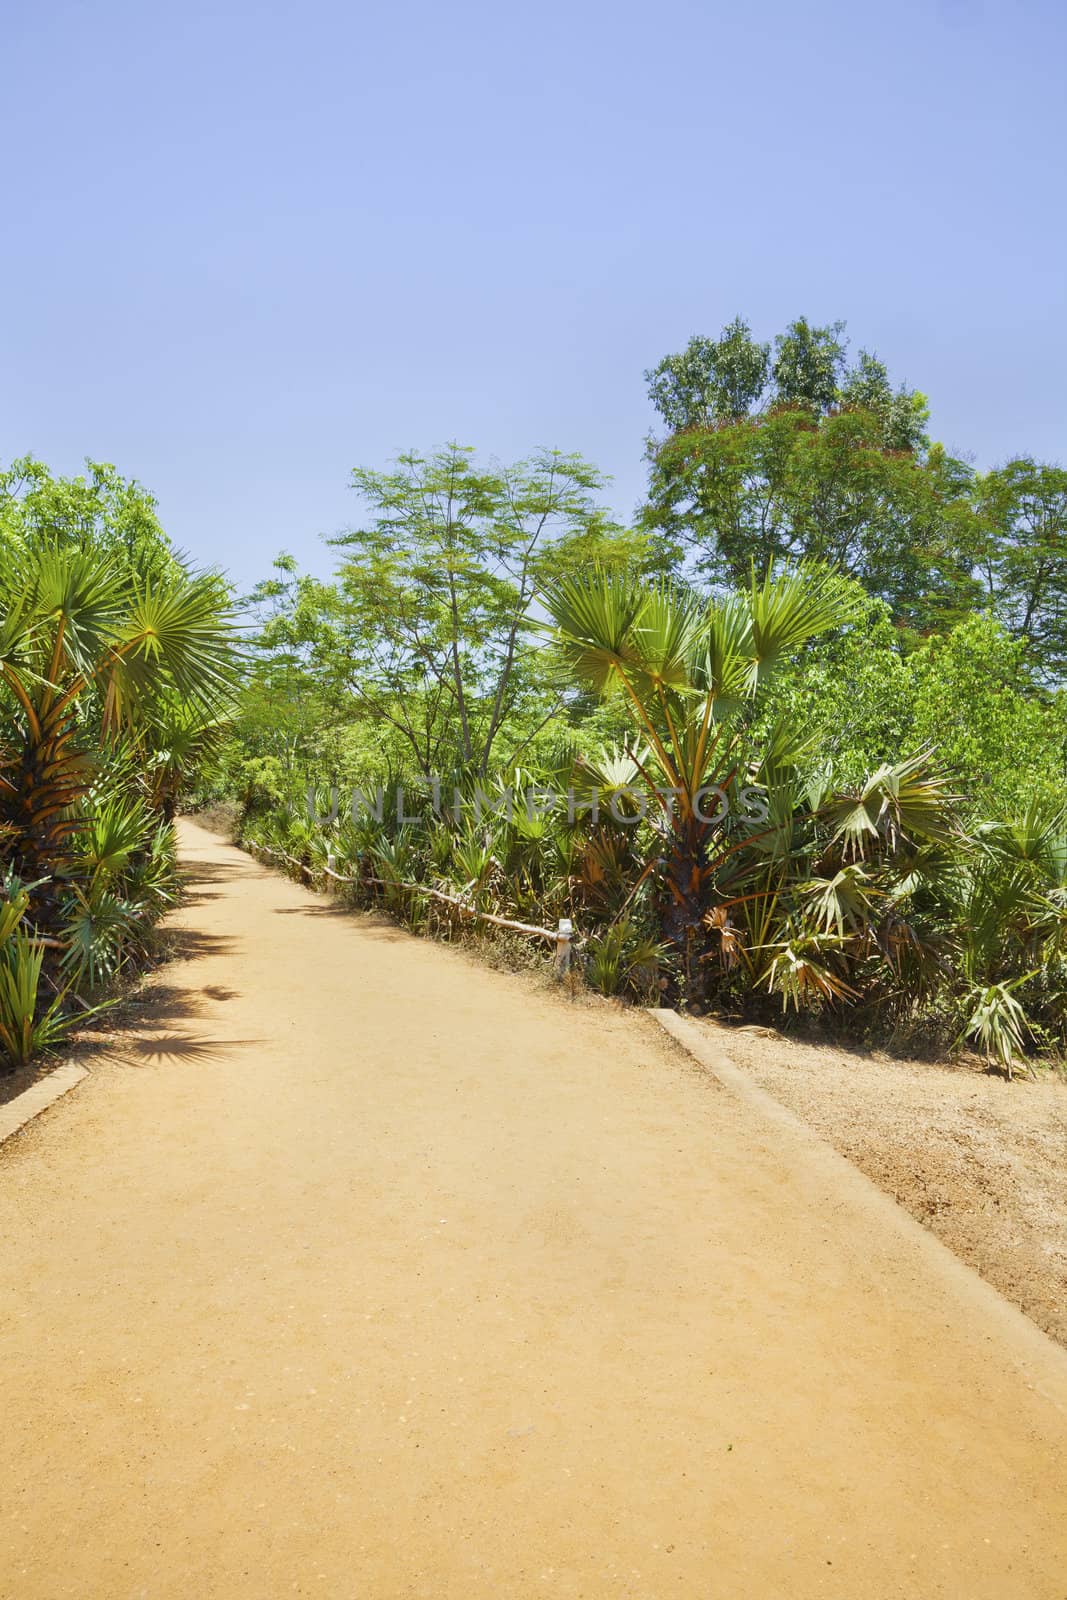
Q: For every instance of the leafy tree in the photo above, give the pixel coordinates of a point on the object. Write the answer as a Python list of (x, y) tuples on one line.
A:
[(808, 364), (791, 486), (852, 691), (711, 380), (284, 703), (115, 663), (1022, 517), (903, 413), (972, 695), (428, 627), (868, 695), (822, 461), (101, 511), (892, 687)]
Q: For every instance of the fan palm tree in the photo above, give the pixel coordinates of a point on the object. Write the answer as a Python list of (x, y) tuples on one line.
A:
[(176, 735), (688, 671), (77, 630), (838, 888)]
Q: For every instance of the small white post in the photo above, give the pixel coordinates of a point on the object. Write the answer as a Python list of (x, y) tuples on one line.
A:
[(563, 947), (331, 866)]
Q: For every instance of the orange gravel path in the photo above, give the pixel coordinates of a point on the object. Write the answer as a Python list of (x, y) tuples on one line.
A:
[(363, 1272)]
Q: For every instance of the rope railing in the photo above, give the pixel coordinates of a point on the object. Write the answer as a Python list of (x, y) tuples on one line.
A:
[(562, 936)]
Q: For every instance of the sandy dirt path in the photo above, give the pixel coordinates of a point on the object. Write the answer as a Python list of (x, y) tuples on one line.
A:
[(368, 1273)]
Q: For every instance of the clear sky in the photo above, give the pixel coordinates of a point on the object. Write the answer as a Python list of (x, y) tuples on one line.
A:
[(247, 247)]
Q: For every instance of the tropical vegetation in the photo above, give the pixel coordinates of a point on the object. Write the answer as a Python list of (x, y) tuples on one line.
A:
[(116, 662), (792, 743)]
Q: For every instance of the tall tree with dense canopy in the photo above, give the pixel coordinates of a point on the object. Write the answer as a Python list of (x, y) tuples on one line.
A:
[(821, 461)]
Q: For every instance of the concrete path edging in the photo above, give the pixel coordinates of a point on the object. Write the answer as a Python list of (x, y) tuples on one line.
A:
[(863, 1193), (38, 1097)]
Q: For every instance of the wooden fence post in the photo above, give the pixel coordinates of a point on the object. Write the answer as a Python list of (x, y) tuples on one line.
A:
[(563, 947)]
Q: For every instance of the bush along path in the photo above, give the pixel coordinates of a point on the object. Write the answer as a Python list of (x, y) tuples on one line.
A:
[(359, 1268), (112, 675)]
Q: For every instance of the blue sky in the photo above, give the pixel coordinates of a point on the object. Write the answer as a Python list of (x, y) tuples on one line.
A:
[(248, 247)]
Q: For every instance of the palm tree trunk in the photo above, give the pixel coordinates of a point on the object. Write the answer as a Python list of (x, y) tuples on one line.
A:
[(682, 917)]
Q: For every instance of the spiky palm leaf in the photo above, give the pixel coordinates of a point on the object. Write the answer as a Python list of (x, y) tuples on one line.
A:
[(150, 882), (997, 1022), (806, 969), (842, 904), (100, 930), (117, 827), (908, 803)]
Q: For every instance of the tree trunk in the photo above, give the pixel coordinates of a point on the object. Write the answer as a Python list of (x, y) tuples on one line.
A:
[(682, 917)]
